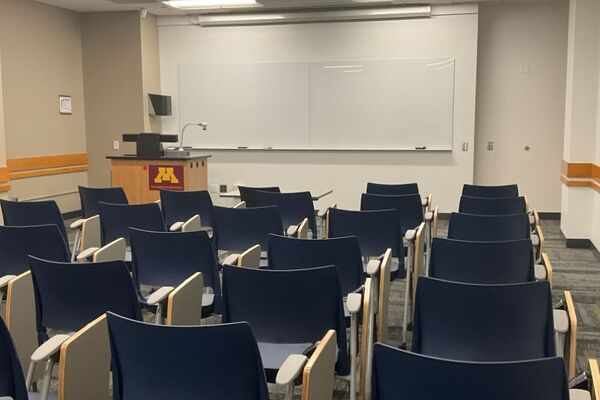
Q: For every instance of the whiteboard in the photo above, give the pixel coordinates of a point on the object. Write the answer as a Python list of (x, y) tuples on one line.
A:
[(399, 104)]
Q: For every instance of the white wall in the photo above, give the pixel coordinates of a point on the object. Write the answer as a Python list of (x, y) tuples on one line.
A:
[(516, 109), (345, 172)]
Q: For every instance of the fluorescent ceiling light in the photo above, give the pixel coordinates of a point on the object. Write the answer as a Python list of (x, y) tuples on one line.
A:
[(316, 16), (197, 4)]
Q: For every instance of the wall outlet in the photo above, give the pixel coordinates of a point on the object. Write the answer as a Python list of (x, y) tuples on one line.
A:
[(465, 146), (525, 69), (223, 188), (490, 146), (116, 145)]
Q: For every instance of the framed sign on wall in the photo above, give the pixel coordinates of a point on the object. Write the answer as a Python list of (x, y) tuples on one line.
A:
[(65, 107)]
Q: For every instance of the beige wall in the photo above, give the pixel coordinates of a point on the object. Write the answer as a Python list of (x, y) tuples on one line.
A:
[(2, 132), (41, 59), (113, 86), (150, 69), (516, 109)]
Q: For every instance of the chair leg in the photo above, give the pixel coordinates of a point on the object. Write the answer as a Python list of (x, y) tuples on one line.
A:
[(353, 346), (29, 378), (428, 239), (407, 295), (158, 316), (76, 245), (289, 391), (47, 378)]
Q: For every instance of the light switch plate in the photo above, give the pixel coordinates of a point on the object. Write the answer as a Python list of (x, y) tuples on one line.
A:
[(116, 145)]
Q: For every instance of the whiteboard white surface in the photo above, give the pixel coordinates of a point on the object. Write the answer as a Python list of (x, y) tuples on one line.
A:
[(400, 104)]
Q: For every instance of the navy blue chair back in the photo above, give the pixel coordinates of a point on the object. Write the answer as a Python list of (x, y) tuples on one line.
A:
[(69, 296), (469, 322), (408, 206), (17, 243), (508, 261), (237, 229), (295, 306), (290, 253), (12, 383), (376, 231), (486, 228), (398, 374), (167, 259), (181, 206), (90, 197), (184, 362), (248, 194), (27, 213), (496, 206), (294, 207), (392, 189), (501, 191), (116, 219)]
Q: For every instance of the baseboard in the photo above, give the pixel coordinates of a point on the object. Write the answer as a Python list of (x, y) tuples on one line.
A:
[(72, 214), (554, 216), (579, 243)]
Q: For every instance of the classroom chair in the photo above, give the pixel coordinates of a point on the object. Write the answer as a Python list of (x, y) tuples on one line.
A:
[(498, 262), (289, 253), (88, 226), (115, 221), (162, 261), (399, 190), (12, 382), (492, 206), (376, 232), (289, 312), (497, 228), (490, 323), (501, 191), (294, 208), (179, 207), (69, 296), (244, 230), (27, 213), (184, 362), (409, 210), (248, 193), (399, 374)]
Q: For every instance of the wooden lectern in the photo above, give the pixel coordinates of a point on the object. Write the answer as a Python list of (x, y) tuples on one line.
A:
[(142, 178)]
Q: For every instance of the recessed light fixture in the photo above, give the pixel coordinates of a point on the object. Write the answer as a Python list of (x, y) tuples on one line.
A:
[(197, 4)]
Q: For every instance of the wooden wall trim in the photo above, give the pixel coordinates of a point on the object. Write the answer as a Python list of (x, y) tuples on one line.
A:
[(4, 174), (29, 167), (585, 175), (4, 188)]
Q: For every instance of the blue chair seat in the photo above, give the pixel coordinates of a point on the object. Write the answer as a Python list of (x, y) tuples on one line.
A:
[(274, 354)]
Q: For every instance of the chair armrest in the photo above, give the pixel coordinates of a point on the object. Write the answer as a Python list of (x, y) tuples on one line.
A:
[(77, 224), (241, 204), (561, 321), (231, 259), (595, 373), (292, 229), (410, 235), (6, 398), (429, 216), (87, 253), (373, 267), (540, 272), (160, 295), (353, 303), (176, 226), (535, 239), (49, 348), (424, 201), (548, 266), (578, 394), (531, 219), (290, 370), (5, 279)]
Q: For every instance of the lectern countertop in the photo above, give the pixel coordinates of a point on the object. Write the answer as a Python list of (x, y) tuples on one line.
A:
[(135, 157)]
